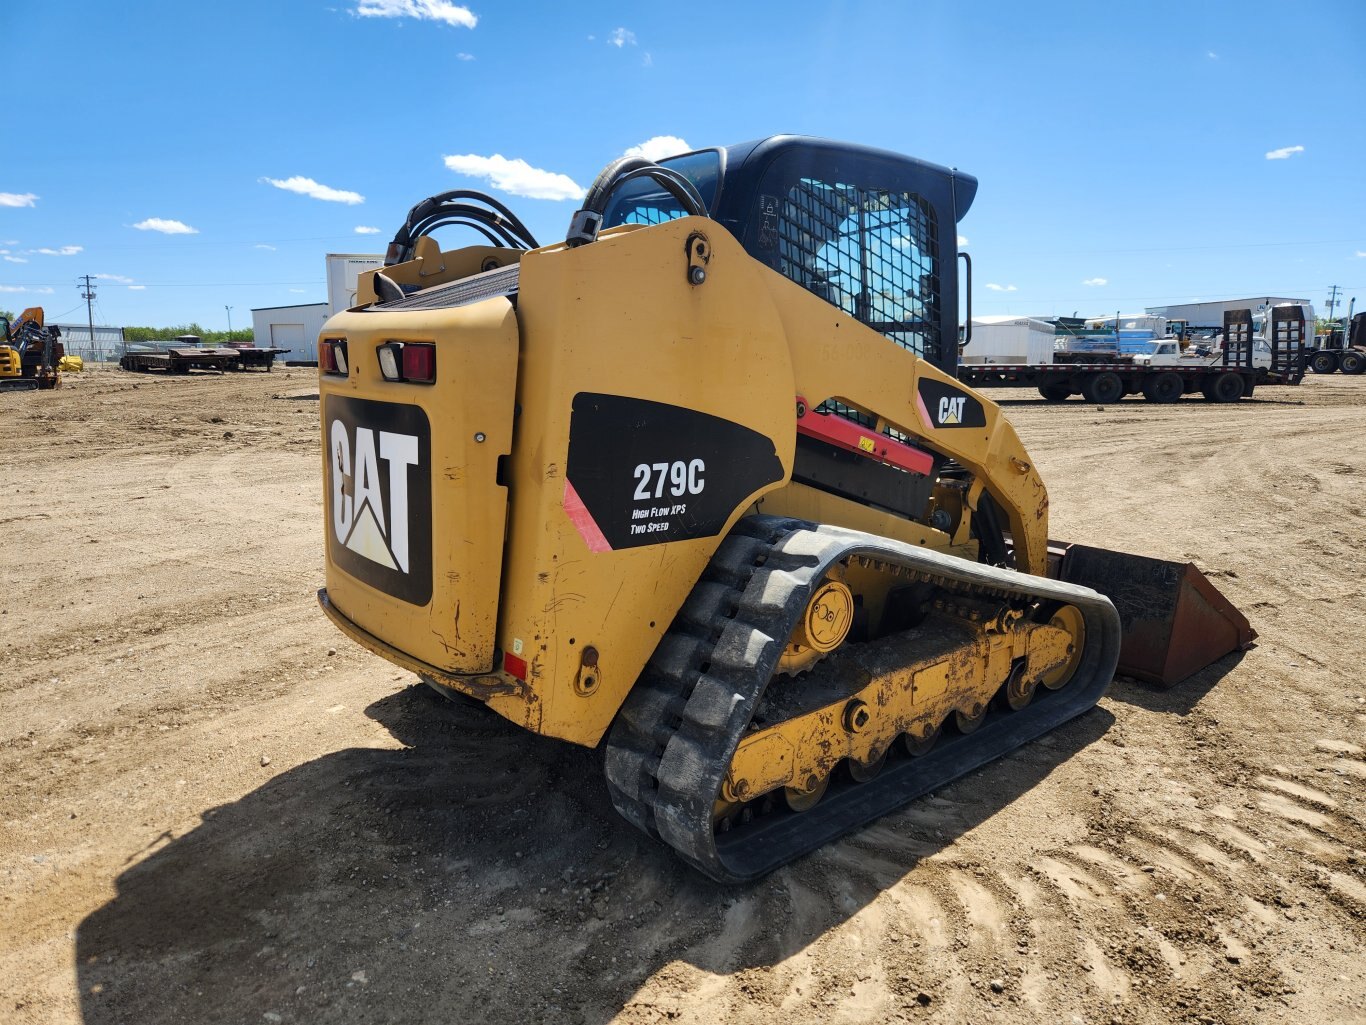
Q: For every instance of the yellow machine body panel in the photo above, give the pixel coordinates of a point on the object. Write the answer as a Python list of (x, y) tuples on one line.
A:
[(589, 590), (414, 511), (836, 357)]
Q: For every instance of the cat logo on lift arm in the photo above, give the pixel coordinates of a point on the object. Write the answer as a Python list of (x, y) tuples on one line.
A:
[(942, 405)]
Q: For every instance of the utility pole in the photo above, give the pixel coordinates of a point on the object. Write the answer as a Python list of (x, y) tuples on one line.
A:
[(88, 295), (1332, 300), (229, 309)]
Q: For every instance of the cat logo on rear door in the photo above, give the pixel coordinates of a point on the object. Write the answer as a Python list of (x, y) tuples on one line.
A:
[(379, 495)]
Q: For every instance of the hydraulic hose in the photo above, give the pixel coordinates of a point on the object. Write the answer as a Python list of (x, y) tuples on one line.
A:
[(498, 224), (587, 222)]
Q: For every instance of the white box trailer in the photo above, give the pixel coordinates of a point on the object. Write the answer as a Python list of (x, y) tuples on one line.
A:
[(1009, 339), (342, 271)]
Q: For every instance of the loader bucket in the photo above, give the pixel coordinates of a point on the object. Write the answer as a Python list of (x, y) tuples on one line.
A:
[(1174, 621)]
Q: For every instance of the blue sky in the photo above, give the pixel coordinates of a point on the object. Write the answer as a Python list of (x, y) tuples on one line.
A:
[(203, 155)]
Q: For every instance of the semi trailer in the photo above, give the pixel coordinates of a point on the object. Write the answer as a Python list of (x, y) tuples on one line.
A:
[(1272, 352)]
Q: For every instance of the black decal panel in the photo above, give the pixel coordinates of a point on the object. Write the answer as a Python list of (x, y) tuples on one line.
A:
[(642, 473), (379, 523), (946, 406)]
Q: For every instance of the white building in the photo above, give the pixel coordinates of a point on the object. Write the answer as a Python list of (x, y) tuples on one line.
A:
[(292, 328), (1211, 314), (296, 328)]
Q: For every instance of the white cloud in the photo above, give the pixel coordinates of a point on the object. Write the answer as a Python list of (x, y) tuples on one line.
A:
[(516, 176), (20, 259), (262, 245), (1001, 288), (64, 251), (1211, 55), (299, 291), (114, 277), (308, 187), (25, 288), (659, 147), (17, 198), (962, 241), (137, 288), (620, 37), (165, 226), (464, 56), (1284, 153), (647, 61), (422, 10), (1361, 255), (1093, 282), (365, 229)]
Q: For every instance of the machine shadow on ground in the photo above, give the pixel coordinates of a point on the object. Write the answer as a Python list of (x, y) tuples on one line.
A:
[(479, 873), (1180, 699)]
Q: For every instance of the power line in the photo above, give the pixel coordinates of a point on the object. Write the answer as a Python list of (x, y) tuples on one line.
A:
[(89, 295), (189, 284)]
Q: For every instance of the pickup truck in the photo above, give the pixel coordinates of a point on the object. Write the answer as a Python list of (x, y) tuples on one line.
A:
[(1166, 352)]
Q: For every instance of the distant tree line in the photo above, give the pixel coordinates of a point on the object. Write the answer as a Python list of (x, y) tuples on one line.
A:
[(168, 334)]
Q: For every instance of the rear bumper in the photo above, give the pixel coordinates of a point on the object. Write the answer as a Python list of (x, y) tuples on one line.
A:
[(482, 686)]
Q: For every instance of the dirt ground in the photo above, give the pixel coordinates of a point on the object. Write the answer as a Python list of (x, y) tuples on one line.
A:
[(215, 808)]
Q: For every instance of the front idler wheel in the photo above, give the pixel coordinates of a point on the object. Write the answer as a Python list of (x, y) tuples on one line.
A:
[(1068, 618)]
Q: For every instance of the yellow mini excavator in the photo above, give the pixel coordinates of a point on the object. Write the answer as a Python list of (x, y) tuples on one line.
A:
[(30, 352), (698, 485)]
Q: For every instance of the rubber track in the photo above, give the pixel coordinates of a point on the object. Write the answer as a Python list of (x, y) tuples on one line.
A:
[(669, 749)]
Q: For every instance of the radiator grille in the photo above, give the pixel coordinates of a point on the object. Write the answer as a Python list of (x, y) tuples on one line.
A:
[(464, 292)]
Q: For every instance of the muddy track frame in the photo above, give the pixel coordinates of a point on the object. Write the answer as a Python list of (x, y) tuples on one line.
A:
[(672, 743)]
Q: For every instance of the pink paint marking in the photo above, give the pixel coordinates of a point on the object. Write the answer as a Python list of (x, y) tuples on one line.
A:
[(924, 413), (583, 520)]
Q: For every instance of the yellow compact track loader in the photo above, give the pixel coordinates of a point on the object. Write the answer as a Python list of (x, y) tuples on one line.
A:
[(699, 485)]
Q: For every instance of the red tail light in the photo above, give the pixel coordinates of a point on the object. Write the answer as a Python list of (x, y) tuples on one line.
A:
[(410, 362), (332, 356), (419, 363)]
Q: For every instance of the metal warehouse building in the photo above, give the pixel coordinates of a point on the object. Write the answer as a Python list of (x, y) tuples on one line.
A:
[(1211, 314), (292, 328), (106, 346), (296, 328)]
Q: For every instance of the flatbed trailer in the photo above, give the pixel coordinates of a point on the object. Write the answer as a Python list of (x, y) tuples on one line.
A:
[(179, 361), (253, 358), (1235, 375)]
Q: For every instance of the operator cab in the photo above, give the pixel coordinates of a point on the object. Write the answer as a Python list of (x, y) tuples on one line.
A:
[(871, 232)]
